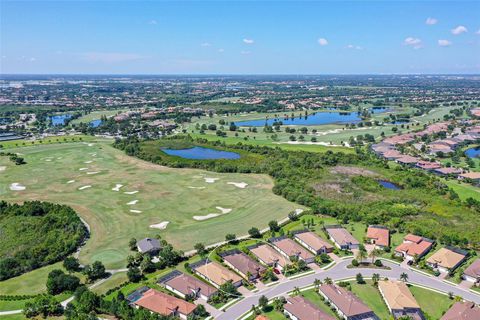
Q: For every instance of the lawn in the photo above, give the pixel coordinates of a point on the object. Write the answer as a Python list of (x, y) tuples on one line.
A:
[(156, 194), (313, 297), (96, 115), (432, 303), (272, 315), (464, 190), (372, 298), (114, 281)]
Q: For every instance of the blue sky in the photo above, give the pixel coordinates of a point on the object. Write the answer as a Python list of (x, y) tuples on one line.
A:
[(218, 37)]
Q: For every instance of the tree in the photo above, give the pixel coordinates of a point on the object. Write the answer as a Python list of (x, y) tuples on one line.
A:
[(95, 271), (328, 280), (254, 233), (133, 244), (263, 303), (278, 303), (404, 277), (200, 248), (359, 278), (317, 283), (58, 282), (43, 305), (361, 255), (230, 237), (147, 265), (273, 225), (374, 253), (71, 264), (134, 274), (375, 278)]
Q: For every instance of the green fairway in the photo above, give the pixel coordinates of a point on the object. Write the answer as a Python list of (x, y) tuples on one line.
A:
[(96, 115), (82, 175), (432, 303), (464, 190), (30, 283)]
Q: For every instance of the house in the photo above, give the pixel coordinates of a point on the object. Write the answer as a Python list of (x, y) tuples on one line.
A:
[(215, 273), (289, 248), (462, 311), (472, 273), (399, 300), (448, 171), (392, 155), (243, 264), (313, 242), (341, 237), (164, 304), (299, 308), (347, 305), (185, 285), (474, 176), (261, 317), (149, 245), (447, 259), (428, 165), (269, 256), (436, 147), (413, 247), (407, 160), (379, 236)]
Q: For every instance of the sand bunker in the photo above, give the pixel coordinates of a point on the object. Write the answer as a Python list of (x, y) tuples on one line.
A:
[(190, 187), (135, 211), (117, 187), (93, 154), (131, 203), (213, 215), (298, 211), (131, 192), (70, 181), (162, 225), (90, 144), (93, 172), (224, 210), (82, 169), (89, 161), (2, 168), (210, 180), (84, 187), (48, 160), (241, 185), (17, 187)]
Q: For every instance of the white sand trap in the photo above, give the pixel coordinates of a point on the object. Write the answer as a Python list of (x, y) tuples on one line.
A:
[(241, 185), (131, 192), (117, 187), (224, 210), (208, 216), (3, 168), (90, 144), (48, 160), (210, 180), (17, 187), (162, 225), (190, 187), (94, 154), (298, 211), (70, 181), (84, 187), (93, 172), (135, 211), (82, 169), (59, 158), (89, 161), (131, 203)]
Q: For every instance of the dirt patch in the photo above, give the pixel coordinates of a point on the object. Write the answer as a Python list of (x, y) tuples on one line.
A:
[(353, 171)]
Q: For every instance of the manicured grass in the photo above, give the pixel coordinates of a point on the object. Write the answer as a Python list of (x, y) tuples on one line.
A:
[(464, 190), (96, 115), (432, 303), (313, 296), (112, 282), (30, 283), (19, 316), (50, 140), (164, 194), (371, 297), (12, 305), (272, 315)]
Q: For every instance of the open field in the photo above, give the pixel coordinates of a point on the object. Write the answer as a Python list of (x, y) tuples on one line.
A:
[(86, 175), (96, 115)]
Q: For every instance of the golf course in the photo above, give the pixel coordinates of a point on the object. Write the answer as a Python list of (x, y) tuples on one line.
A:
[(121, 197)]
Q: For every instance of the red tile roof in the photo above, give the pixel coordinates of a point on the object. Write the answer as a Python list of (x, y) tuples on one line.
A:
[(380, 235), (164, 304)]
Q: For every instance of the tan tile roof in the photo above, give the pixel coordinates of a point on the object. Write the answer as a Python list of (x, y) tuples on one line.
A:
[(291, 248), (164, 304), (470, 175), (187, 284), (244, 263), (380, 235), (473, 270), (446, 258), (217, 273), (341, 236), (269, 255), (313, 240), (303, 309), (397, 295), (462, 311), (345, 300)]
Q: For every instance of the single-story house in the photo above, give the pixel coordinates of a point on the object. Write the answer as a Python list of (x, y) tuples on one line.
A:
[(379, 236), (289, 248), (243, 264), (341, 237), (447, 259), (299, 308), (472, 273), (400, 300), (347, 305), (392, 154), (164, 304), (462, 311), (474, 176), (313, 242), (215, 273), (149, 245), (270, 257), (185, 285), (428, 165), (407, 160), (413, 247), (448, 171)]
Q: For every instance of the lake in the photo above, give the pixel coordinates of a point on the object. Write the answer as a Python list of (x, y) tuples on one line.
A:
[(318, 118), (201, 153), (473, 152), (389, 185), (95, 123), (59, 120)]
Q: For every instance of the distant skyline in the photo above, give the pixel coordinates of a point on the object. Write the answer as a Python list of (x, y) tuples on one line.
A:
[(219, 37)]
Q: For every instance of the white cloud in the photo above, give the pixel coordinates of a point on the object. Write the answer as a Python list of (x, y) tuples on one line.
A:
[(431, 21), (153, 22), (444, 43), (322, 41), (416, 43), (248, 41), (459, 30), (221, 50), (110, 57), (205, 44), (478, 32), (32, 59), (351, 46), (245, 52)]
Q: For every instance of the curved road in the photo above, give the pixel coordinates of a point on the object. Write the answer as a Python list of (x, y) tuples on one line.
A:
[(338, 272)]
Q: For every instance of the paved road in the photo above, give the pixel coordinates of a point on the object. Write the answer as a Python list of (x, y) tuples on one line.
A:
[(338, 272)]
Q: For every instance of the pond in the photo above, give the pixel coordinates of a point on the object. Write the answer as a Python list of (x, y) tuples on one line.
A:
[(95, 123), (389, 185), (473, 152), (59, 120), (201, 153)]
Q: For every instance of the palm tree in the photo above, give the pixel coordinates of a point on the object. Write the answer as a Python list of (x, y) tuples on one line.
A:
[(375, 253), (404, 277), (317, 283), (328, 280), (375, 278), (296, 291), (361, 255)]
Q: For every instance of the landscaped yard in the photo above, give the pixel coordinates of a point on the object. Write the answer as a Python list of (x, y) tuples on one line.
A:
[(432, 303), (371, 297), (314, 297)]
